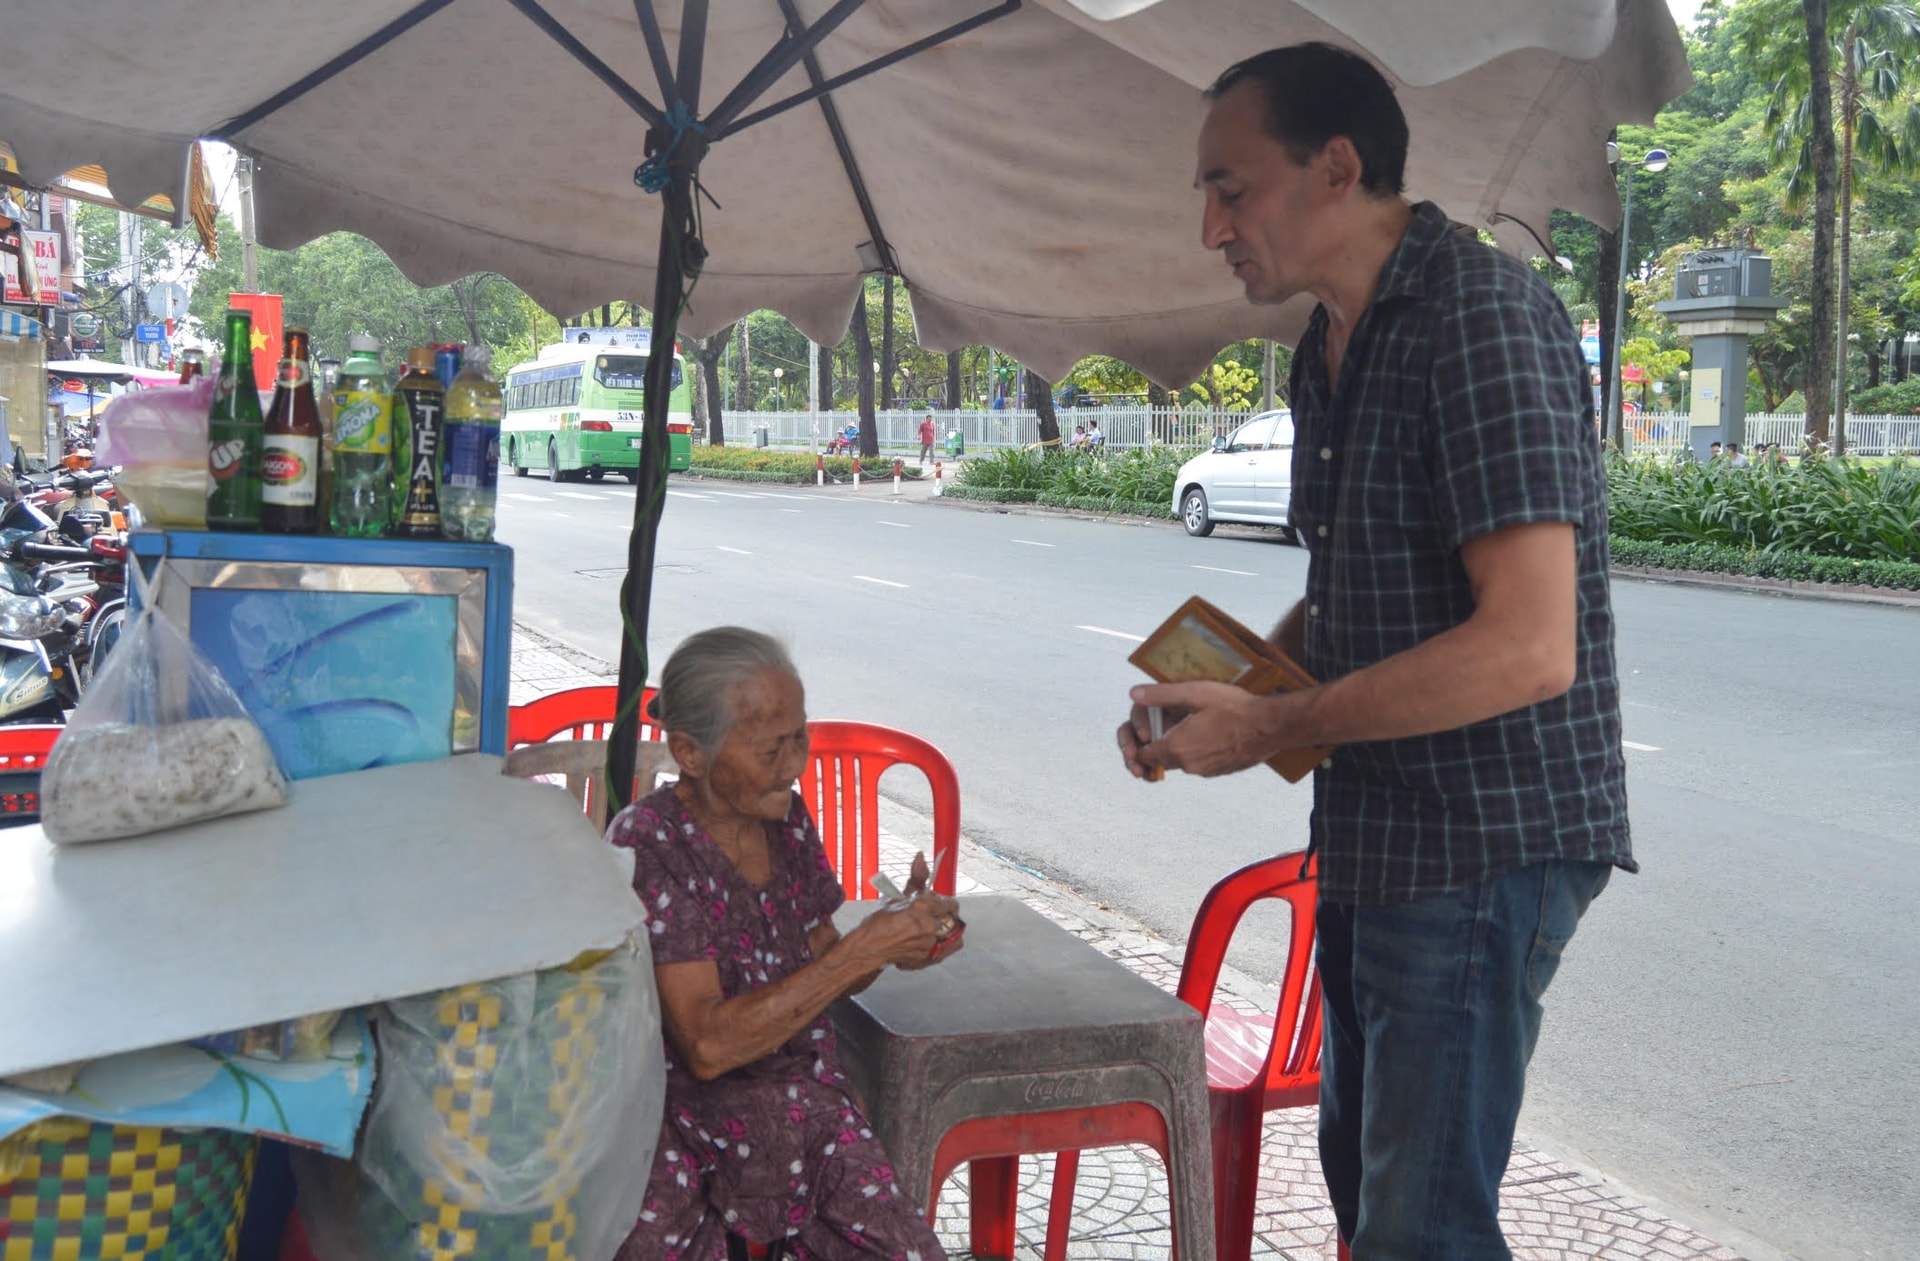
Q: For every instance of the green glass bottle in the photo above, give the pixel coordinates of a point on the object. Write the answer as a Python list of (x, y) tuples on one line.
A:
[(235, 428)]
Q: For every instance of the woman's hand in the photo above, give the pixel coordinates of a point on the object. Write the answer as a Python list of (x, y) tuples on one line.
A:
[(904, 933)]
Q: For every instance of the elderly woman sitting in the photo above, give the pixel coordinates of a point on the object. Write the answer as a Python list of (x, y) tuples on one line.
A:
[(761, 1138)]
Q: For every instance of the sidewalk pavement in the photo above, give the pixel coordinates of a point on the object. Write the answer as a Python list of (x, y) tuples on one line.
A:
[(1549, 1210)]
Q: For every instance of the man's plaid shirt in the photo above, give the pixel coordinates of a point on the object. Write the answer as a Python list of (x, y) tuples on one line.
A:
[(1462, 408)]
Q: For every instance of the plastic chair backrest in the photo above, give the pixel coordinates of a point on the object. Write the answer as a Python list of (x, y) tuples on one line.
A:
[(1292, 1070), (23, 753), (581, 713), (841, 786)]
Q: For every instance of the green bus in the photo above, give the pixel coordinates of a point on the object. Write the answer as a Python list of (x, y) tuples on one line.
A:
[(577, 410)]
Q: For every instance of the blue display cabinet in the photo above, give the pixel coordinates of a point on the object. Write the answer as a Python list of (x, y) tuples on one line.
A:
[(349, 653)]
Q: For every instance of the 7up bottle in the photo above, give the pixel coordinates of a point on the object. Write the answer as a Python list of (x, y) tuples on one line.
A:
[(362, 443), (233, 434)]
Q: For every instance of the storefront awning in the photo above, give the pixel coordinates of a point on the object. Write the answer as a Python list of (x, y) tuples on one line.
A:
[(17, 327)]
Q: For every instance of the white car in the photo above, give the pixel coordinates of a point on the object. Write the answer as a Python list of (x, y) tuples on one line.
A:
[(1246, 477)]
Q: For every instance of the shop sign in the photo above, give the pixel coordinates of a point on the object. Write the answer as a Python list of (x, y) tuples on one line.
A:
[(41, 251)]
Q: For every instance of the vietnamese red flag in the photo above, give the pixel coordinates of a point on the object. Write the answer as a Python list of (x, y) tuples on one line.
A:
[(265, 308)]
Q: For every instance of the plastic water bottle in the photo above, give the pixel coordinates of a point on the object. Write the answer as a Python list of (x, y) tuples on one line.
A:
[(362, 443), (470, 475)]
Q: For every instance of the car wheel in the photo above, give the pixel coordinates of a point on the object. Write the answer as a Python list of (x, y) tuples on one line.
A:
[(632, 475), (513, 458), (1193, 513), (553, 462), (595, 473)]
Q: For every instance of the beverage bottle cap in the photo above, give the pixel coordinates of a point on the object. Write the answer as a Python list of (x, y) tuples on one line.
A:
[(363, 343), (420, 357)]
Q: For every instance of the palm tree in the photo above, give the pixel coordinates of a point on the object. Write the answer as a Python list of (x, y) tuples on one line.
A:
[(1860, 79)]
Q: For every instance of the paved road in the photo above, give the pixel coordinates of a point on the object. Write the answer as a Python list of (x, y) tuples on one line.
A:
[(1735, 1033)]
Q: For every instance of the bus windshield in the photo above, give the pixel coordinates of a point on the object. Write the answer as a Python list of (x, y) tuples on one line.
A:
[(626, 372)]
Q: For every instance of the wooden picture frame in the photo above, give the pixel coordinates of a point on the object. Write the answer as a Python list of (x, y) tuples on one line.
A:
[(1200, 643)]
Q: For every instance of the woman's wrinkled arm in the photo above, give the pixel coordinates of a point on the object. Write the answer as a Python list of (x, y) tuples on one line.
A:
[(715, 1034)]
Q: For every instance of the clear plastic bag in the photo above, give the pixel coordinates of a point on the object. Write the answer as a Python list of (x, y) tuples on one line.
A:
[(157, 438), (521, 1114), (158, 740)]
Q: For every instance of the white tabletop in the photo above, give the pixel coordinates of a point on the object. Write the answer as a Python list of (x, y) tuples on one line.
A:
[(365, 887)]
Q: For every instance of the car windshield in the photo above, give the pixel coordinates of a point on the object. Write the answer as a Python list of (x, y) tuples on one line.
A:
[(626, 372)]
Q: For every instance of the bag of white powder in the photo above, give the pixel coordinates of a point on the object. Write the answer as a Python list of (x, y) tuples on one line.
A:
[(159, 740)]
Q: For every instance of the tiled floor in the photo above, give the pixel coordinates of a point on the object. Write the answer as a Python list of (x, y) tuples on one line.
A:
[(1549, 1210)]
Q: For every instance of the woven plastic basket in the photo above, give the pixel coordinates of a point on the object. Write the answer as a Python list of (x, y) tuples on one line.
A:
[(73, 1191)]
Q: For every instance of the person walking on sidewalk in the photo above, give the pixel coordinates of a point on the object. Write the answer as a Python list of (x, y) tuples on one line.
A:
[(1447, 480), (926, 440)]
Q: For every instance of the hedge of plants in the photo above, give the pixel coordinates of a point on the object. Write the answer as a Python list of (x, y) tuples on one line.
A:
[(762, 464), (1821, 508), (1136, 479), (1829, 521), (1715, 558)]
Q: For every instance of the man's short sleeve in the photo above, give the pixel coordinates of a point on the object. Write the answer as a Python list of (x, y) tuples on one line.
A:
[(1514, 441)]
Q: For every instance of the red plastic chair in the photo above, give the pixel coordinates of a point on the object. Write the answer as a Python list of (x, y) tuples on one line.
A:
[(841, 785), (23, 754), (581, 713), (1255, 1064)]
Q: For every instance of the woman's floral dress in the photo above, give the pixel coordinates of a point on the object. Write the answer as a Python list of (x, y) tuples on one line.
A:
[(777, 1148)]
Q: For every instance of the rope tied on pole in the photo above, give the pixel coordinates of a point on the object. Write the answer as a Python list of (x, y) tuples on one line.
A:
[(655, 173)]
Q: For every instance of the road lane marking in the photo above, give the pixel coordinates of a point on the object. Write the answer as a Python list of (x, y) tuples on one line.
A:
[(898, 525), (1244, 573), (525, 499), (795, 511), (578, 494), (1031, 543), (687, 494), (1101, 630), (1643, 748), (881, 581), (776, 494), (731, 494), (721, 547)]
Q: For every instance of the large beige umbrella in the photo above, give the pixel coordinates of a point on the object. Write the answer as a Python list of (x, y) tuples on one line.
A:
[(1027, 167)]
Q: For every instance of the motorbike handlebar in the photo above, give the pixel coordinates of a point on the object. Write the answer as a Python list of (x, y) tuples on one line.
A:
[(27, 549)]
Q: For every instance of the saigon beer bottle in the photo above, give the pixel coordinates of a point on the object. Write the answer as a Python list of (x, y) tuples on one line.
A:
[(290, 450)]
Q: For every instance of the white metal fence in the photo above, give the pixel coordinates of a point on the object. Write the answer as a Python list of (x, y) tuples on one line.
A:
[(1668, 432), (1139, 426), (899, 430)]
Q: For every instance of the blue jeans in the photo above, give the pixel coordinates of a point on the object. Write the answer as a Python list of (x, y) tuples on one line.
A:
[(1432, 1012)]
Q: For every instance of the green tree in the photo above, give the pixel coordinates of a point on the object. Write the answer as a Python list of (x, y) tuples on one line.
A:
[(1857, 78)]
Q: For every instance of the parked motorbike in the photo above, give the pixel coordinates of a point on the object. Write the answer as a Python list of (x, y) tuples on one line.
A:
[(62, 602)]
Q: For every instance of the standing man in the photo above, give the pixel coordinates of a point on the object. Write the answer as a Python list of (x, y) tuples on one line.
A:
[(1447, 481), (926, 440)]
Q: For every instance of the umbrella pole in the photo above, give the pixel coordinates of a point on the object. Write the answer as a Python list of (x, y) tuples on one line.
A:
[(680, 251), (636, 589)]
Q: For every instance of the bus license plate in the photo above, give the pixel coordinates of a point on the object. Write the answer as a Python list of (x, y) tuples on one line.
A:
[(634, 443)]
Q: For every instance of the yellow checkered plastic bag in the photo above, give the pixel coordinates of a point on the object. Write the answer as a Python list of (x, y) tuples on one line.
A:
[(512, 1120), (75, 1190)]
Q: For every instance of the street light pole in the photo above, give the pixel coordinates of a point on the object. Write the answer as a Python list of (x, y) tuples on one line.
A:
[(1655, 162)]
